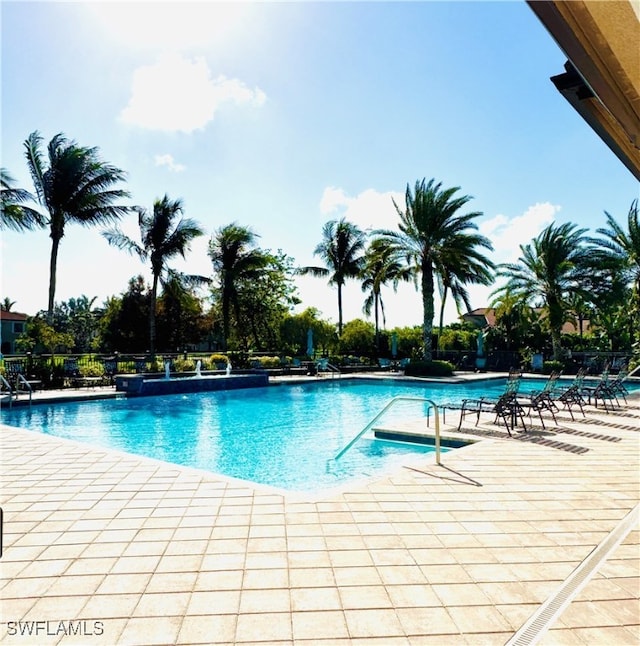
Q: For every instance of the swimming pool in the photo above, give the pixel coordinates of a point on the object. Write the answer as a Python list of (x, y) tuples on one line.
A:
[(282, 436)]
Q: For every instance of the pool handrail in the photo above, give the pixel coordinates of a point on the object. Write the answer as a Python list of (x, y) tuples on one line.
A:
[(9, 388), (388, 405)]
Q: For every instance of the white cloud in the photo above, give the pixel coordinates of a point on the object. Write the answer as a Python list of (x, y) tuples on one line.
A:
[(507, 234), (168, 161), (177, 94), (370, 209)]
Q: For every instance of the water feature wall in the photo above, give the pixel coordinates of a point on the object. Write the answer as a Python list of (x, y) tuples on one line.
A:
[(135, 385)]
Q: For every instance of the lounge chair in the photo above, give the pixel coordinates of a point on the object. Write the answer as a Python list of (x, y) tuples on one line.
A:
[(541, 400), (572, 395), (603, 391), (617, 383), (506, 407)]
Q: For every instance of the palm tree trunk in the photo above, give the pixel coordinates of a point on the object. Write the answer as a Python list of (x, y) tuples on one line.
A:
[(339, 310), (427, 310), (375, 306), (226, 311), (556, 320), (444, 300), (53, 264), (152, 316)]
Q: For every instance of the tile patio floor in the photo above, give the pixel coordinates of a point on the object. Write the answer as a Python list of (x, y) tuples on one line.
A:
[(126, 550)]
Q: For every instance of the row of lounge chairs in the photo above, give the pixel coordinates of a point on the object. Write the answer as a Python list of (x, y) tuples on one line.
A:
[(512, 406)]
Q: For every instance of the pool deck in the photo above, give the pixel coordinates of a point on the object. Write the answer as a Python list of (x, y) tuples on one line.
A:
[(522, 540)]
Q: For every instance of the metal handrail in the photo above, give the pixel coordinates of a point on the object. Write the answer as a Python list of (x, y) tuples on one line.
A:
[(389, 404), (328, 367), (8, 385), (21, 378)]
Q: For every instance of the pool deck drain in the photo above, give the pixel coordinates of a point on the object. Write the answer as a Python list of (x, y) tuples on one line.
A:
[(550, 610), (509, 533)]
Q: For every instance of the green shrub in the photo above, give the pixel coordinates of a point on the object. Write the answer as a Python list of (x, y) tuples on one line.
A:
[(269, 362), (91, 370), (218, 359), (429, 369), (184, 365), (552, 366)]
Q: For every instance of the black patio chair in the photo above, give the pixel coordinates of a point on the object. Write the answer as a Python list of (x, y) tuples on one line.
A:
[(602, 391), (571, 395), (506, 407), (542, 400), (71, 372)]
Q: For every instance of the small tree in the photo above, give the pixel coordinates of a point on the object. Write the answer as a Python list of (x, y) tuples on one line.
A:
[(358, 337)]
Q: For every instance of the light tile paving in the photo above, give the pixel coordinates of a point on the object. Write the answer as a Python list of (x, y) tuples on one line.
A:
[(101, 547)]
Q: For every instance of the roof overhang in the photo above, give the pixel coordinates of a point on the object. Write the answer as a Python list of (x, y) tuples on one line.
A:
[(602, 77)]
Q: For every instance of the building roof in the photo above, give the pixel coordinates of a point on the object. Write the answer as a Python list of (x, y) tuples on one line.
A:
[(486, 317), (602, 75), (8, 315)]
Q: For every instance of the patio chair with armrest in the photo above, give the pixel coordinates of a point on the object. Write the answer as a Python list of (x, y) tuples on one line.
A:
[(541, 400), (572, 395), (71, 371), (506, 407), (602, 391), (617, 385), (110, 365)]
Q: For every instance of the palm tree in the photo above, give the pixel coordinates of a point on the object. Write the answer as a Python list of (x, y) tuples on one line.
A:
[(551, 268), (382, 265), (13, 212), (341, 250), (7, 304), (621, 249), (235, 258), (76, 186), (437, 240), (453, 277), (164, 235)]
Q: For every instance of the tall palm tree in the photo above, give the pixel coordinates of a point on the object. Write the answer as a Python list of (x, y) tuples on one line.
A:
[(164, 235), (235, 258), (14, 213), (437, 240), (341, 249), (551, 268), (381, 266), (75, 186), (622, 249)]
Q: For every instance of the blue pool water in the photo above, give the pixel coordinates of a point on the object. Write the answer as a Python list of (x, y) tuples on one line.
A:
[(282, 436)]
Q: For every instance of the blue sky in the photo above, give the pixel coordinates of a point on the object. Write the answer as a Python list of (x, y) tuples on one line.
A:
[(281, 116)]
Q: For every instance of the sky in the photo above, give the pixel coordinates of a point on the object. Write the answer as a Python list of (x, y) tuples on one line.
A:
[(282, 116)]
